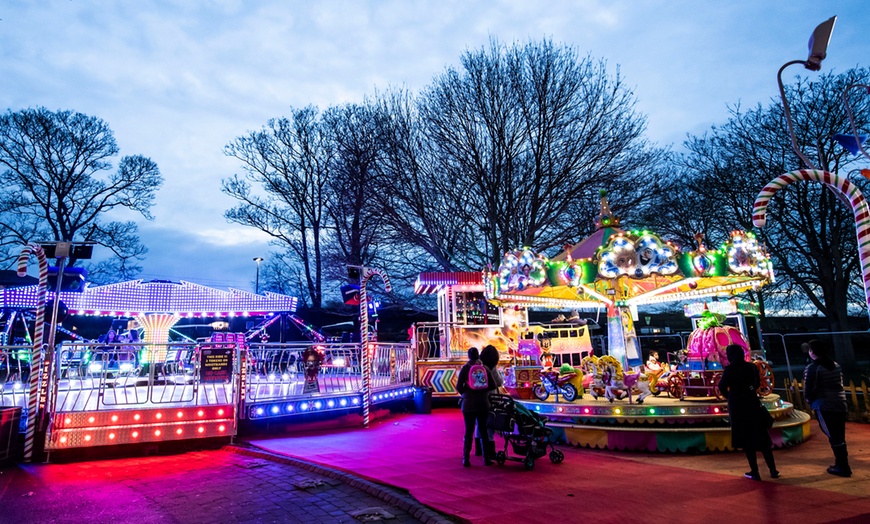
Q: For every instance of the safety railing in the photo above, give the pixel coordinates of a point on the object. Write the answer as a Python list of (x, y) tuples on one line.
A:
[(278, 371), (15, 375), (96, 377)]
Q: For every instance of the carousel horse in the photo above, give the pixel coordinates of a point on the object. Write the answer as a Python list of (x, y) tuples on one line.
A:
[(619, 385), (593, 381)]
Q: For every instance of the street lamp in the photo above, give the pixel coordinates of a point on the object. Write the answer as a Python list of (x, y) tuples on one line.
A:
[(818, 46), (257, 285)]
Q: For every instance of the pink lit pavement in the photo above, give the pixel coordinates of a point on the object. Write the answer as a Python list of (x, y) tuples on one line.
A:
[(422, 454)]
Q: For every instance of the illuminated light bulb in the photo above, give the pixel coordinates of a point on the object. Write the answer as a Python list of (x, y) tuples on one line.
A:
[(111, 436), (200, 413), (586, 410), (87, 438), (259, 411), (617, 411), (318, 405), (114, 418), (179, 414), (715, 410), (159, 416), (135, 434), (63, 440), (157, 433), (303, 406), (91, 420), (67, 420), (275, 409), (179, 431), (342, 402), (136, 416), (221, 428), (200, 429), (220, 412), (289, 407), (652, 411), (330, 403), (683, 411)]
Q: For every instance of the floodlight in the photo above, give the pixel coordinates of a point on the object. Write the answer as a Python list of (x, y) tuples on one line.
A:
[(818, 44)]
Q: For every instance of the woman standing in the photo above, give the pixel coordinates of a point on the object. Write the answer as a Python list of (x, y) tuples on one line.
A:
[(475, 381), (489, 356), (823, 389), (750, 420)]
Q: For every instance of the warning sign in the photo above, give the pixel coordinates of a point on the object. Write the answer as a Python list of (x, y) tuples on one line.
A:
[(217, 364)]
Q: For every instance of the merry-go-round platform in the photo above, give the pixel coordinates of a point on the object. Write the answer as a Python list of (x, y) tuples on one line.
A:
[(661, 423)]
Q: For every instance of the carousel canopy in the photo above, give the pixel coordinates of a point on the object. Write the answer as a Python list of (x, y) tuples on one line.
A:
[(628, 268)]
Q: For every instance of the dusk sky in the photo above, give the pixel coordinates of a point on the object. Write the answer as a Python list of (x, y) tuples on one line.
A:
[(178, 80)]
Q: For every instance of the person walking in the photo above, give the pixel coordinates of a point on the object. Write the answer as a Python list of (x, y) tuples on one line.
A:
[(750, 420), (474, 383), (824, 392)]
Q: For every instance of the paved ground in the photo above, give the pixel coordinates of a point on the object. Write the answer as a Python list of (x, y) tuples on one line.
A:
[(421, 453), (406, 468), (230, 485)]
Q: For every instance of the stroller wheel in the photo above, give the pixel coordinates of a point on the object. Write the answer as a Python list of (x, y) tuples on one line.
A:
[(500, 458), (529, 463), (556, 456)]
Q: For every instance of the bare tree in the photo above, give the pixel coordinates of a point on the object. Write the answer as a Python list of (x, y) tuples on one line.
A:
[(810, 232), (287, 169), (54, 186), (510, 150)]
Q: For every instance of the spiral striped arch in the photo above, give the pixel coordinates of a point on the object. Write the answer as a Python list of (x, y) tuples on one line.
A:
[(38, 349), (840, 185)]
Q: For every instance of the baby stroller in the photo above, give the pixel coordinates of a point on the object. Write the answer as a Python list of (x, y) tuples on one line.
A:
[(524, 431)]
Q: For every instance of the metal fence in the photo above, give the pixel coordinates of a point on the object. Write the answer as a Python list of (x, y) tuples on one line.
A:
[(15, 375)]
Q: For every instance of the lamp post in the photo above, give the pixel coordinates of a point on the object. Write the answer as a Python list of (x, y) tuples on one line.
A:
[(818, 46), (257, 284)]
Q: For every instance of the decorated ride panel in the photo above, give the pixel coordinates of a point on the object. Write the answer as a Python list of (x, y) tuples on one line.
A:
[(440, 376)]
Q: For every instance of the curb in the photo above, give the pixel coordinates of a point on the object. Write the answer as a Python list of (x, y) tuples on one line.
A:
[(388, 494)]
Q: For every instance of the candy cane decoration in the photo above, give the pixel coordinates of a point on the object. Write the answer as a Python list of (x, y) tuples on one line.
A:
[(839, 185), (36, 358), (365, 274)]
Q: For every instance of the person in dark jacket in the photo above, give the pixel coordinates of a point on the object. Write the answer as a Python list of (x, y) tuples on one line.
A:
[(824, 392), (749, 419), (490, 356), (475, 408)]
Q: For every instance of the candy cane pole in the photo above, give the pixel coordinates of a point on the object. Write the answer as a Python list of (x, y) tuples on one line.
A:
[(36, 358), (839, 185), (365, 274)]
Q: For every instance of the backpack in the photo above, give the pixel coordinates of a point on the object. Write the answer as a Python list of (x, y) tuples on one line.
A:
[(478, 377)]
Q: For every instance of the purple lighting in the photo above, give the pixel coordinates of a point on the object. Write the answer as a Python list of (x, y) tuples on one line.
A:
[(135, 297)]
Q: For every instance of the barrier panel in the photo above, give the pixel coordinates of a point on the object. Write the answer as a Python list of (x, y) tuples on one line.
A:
[(109, 394), (15, 375)]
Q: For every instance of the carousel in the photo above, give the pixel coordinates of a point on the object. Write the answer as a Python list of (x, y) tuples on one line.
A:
[(617, 399)]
